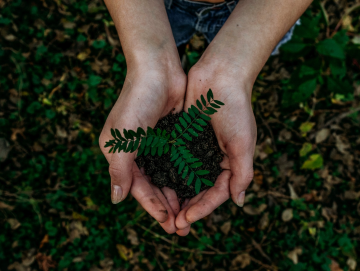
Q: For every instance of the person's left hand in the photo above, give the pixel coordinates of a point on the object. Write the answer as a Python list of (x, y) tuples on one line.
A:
[(235, 129)]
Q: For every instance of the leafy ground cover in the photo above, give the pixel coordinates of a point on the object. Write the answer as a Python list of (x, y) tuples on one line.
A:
[(61, 69)]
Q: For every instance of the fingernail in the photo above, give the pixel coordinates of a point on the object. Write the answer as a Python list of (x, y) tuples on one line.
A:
[(116, 194), (241, 199)]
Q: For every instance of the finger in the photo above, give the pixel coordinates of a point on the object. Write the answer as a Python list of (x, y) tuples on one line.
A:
[(144, 194), (172, 199), (211, 200), (120, 170), (181, 222), (225, 163), (183, 232), (169, 224), (241, 166)]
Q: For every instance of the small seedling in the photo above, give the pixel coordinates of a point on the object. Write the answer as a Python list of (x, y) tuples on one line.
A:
[(160, 142)]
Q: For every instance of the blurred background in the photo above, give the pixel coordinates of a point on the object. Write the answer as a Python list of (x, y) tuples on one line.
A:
[(61, 70)]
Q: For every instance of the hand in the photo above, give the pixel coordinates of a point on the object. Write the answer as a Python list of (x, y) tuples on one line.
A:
[(149, 93), (235, 129)]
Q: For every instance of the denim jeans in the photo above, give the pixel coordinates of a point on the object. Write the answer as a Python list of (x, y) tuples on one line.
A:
[(188, 17)]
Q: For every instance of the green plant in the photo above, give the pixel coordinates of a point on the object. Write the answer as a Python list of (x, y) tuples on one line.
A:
[(159, 143)]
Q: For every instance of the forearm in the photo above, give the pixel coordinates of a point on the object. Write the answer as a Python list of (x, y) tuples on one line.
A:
[(144, 31), (252, 32)]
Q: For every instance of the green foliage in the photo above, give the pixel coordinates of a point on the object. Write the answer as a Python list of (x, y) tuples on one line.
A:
[(159, 142)]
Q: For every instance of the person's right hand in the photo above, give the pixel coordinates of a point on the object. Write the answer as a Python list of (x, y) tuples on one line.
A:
[(150, 92)]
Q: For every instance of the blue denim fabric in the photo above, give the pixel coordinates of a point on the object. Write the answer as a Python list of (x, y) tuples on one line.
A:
[(188, 17)]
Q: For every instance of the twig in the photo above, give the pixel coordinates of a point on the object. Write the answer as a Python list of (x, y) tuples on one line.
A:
[(341, 116), (262, 264), (270, 131)]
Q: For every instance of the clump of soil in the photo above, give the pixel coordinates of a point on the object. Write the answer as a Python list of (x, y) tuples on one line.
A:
[(163, 173)]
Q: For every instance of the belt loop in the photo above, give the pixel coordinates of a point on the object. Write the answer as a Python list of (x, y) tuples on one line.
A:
[(168, 3), (231, 5)]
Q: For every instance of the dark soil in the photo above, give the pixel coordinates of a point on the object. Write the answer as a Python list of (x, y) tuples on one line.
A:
[(162, 171)]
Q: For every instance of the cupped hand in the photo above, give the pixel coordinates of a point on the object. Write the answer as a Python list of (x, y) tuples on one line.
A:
[(235, 129), (148, 94)]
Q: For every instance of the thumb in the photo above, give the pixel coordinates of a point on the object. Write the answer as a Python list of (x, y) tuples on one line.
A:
[(120, 170), (241, 167)]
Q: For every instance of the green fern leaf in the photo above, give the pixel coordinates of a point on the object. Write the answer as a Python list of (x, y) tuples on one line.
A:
[(211, 109), (173, 134), (187, 155), (218, 102), (143, 143), (179, 141), (191, 131), (181, 167), (113, 133), (163, 133), (124, 146), (191, 112), (155, 142), (129, 148), (178, 161), (149, 140), (201, 122), (147, 150), (187, 117), (208, 112), (111, 149), (196, 111), (160, 150), (197, 127), (153, 151), (196, 165), (202, 172), (109, 143), (197, 186), (140, 152), (204, 117), (183, 122), (173, 150), (207, 182), (119, 135), (176, 156), (136, 144), (166, 148), (210, 95), (158, 132), (191, 178), (117, 146), (187, 136), (214, 105), (132, 133), (177, 126), (186, 170), (150, 131), (199, 104), (191, 160), (140, 131), (203, 100)]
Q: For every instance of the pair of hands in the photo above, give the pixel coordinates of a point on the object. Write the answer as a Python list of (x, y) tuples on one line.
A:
[(151, 92)]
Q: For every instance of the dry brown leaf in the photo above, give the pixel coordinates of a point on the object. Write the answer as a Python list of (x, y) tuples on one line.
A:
[(45, 262), (293, 194), (44, 240), (251, 210), (351, 263), (334, 266), (264, 221), (287, 215), (225, 228), (243, 260), (258, 177), (322, 135), (14, 223), (132, 236), (3, 205), (294, 254)]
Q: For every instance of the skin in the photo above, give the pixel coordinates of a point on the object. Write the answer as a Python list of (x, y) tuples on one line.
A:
[(155, 85)]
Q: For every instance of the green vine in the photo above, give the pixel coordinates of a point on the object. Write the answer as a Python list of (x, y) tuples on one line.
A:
[(190, 124)]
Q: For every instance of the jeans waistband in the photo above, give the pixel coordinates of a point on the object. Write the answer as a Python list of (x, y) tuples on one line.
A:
[(198, 7)]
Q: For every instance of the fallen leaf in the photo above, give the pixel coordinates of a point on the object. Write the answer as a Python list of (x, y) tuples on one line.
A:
[(334, 266), (251, 210), (132, 236), (287, 215), (44, 240), (315, 161), (322, 135), (264, 221), (351, 263), (45, 262), (3, 205), (306, 148), (258, 177), (225, 228), (14, 223), (78, 216), (124, 252), (306, 127), (293, 194), (294, 255), (243, 260)]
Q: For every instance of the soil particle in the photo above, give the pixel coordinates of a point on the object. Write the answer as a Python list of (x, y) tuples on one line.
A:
[(163, 173)]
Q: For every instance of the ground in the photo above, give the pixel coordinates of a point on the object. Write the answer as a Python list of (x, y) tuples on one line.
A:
[(61, 69)]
